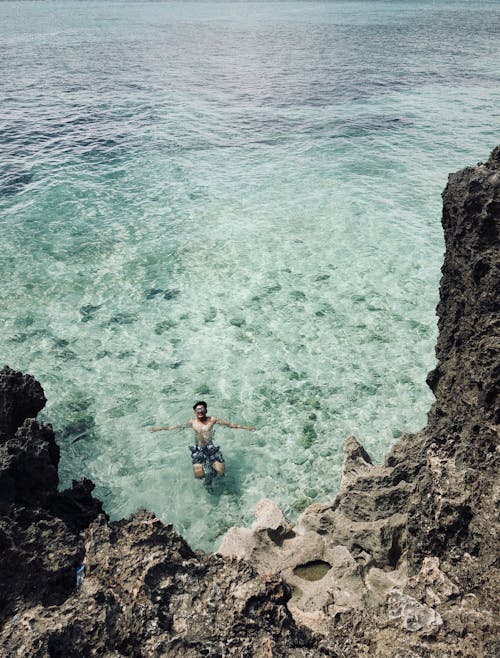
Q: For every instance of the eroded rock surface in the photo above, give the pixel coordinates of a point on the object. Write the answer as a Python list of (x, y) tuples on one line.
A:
[(413, 544), (402, 564), (144, 591), (147, 594), (40, 541), (21, 397)]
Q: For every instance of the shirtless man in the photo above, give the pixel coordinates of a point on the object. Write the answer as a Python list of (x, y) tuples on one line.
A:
[(203, 427)]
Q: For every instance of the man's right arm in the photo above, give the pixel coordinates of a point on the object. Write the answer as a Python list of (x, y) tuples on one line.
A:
[(171, 427)]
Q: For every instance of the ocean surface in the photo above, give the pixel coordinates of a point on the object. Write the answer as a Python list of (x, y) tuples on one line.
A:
[(238, 202)]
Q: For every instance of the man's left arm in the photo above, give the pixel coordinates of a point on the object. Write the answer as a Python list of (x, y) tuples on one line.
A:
[(234, 426)]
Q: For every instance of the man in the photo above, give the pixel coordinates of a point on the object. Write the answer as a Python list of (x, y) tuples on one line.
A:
[(204, 450)]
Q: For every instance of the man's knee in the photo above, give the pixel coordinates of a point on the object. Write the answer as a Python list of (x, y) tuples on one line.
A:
[(219, 468), (198, 471)]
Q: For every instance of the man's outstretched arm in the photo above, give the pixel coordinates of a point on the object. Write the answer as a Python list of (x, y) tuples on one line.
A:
[(171, 427), (234, 426)]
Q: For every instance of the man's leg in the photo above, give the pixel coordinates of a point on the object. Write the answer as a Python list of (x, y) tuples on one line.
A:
[(219, 468), (198, 471)]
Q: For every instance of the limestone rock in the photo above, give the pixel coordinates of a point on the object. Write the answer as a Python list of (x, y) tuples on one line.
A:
[(76, 506), (432, 585), (328, 559), (270, 518), (28, 465), (267, 533), (412, 615), (39, 542), (21, 397), (422, 529), (356, 461), (147, 593)]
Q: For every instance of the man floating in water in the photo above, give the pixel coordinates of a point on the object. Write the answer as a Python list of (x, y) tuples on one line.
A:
[(204, 452)]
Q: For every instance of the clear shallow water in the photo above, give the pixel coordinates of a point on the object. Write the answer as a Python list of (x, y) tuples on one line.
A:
[(239, 202)]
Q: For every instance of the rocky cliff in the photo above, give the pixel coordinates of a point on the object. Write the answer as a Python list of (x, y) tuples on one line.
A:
[(402, 564)]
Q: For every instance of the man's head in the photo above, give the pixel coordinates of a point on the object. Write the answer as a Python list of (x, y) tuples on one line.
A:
[(200, 408)]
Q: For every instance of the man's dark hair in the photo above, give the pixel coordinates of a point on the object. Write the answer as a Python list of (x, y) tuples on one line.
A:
[(202, 402)]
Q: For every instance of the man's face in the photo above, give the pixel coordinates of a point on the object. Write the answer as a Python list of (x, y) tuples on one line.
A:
[(200, 412)]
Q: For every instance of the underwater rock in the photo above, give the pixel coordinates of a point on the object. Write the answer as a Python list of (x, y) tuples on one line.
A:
[(122, 319), (88, 311), (153, 292), (237, 322), (171, 293), (77, 410), (309, 435), (162, 326)]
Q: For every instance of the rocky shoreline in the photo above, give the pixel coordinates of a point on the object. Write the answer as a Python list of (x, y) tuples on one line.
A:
[(402, 564)]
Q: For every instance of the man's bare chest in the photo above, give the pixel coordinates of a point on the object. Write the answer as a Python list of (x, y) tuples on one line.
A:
[(204, 429)]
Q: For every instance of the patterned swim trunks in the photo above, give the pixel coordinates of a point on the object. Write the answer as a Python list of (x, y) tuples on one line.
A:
[(206, 454)]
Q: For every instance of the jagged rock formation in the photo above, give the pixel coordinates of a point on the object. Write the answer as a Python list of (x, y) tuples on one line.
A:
[(146, 593), (38, 546), (402, 564), (410, 549)]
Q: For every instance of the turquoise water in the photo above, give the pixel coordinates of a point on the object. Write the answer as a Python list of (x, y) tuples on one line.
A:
[(238, 202)]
